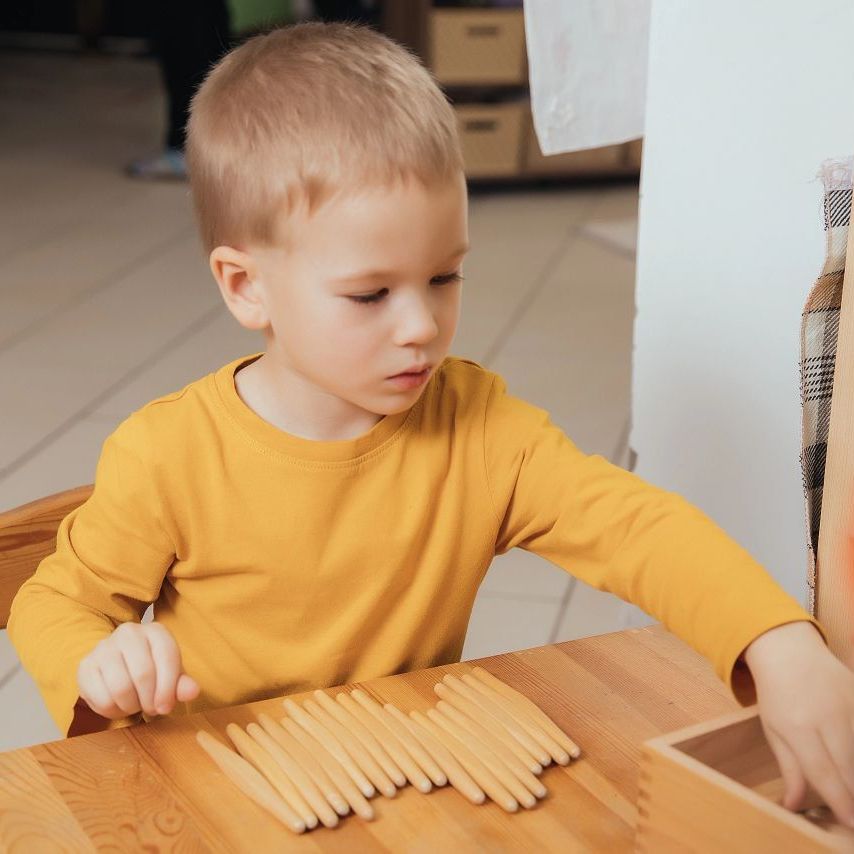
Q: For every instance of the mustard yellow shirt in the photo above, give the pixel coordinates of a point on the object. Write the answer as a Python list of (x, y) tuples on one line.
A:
[(281, 564)]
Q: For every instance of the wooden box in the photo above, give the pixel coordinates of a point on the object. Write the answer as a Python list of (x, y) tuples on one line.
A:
[(478, 47), (491, 138), (717, 787)]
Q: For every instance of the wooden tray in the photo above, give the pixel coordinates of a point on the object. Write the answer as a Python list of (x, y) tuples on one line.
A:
[(717, 787)]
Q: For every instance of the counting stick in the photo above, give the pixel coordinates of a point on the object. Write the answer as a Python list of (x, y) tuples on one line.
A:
[(488, 758), (531, 707), (255, 754), (488, 722), (336, 773), (322, 734), (417, 750), (354, 747), (308, 762), (522, 718), (364, 733), (479, 772), (250, 781), (440, 765), (303, 782), (397, 740), (475, 730), (509, 723), (458, 777)]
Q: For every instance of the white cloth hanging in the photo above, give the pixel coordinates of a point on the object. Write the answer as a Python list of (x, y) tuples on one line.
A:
[(587, 63)]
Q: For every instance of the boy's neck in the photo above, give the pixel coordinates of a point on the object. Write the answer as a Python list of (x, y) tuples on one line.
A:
[(290, 402)]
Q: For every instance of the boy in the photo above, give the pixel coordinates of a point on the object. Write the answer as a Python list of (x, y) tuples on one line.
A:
[(324, 511)]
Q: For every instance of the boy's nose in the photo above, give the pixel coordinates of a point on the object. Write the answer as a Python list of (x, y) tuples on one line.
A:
[(417, 324)]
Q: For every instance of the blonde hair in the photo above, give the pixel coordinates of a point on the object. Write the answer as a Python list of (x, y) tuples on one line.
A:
[(304, 112)]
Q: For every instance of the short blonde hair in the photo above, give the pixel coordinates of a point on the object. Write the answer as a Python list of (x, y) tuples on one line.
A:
[(303, 113)]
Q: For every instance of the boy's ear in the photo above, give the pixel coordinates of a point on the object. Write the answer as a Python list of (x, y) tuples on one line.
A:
[(237, 275)]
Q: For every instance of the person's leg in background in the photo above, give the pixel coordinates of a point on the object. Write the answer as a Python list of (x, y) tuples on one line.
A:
[(188, 37)]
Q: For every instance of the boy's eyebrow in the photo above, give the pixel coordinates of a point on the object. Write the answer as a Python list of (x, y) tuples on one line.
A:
[(380, 274)]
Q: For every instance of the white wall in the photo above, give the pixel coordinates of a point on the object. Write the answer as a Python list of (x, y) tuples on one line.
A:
[(744, 102)]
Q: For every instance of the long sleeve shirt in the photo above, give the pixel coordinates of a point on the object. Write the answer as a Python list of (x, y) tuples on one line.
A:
[(281, 564)]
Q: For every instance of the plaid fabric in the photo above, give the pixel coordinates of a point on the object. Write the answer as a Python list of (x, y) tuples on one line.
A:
[(819, 334)]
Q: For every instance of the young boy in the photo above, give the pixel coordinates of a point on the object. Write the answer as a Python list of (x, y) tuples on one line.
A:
[(325, 511)]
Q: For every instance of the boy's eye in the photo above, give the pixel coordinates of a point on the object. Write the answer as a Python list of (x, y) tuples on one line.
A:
[(445, 279)]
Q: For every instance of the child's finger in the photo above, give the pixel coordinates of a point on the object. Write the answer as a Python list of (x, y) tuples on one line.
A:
[(796, 784), (94, 691), (838, 738), (167, 666), (187, 688), (119, 684), (140, 666), (821, 772)]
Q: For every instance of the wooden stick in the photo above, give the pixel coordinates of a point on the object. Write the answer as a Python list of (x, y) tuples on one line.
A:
[(309, 763), (250, 781), (419, 753), (531, 707), (336, 773), (322, 734), (254, 753), (425, 747), (509, 723), (501, 772), (522, 718), (458, 777), (365, 735), (397, 740), (474, 712), (510, 759), (303, 782), (479, 772), (355, 748)]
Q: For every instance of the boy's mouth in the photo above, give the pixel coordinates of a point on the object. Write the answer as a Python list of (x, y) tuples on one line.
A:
[(413, 372)]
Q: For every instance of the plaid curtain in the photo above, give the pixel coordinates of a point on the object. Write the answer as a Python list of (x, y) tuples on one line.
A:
[(819, 334)]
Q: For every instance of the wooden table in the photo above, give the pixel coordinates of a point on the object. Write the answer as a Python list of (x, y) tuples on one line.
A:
[(151, 787)]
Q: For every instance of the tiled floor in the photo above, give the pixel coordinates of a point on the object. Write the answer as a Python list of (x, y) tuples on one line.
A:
[(106, 302)]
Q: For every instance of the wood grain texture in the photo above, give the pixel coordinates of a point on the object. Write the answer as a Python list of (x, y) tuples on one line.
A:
[(151, 787), (27, 535), (834, 602)]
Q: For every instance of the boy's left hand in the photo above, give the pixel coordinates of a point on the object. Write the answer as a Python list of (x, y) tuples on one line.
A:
[(806, 703)]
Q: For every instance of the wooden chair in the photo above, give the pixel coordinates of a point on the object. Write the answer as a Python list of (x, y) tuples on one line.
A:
[(28, 534)]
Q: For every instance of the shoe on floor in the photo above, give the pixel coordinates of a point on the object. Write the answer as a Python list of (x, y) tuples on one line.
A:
[(169, 165)]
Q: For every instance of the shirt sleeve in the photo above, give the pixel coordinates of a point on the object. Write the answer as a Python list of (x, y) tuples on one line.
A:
[(619, 534), (111, 556)]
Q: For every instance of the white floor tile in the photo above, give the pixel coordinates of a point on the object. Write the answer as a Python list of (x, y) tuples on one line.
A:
[(24, 719)]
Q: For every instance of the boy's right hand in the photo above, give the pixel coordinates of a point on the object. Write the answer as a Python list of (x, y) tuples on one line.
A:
[(137, 668)]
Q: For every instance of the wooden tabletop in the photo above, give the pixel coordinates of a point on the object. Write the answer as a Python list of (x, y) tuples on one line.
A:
[(152, 788)]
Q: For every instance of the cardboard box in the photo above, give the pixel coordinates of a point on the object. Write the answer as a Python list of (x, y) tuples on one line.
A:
[(491, 136), (717, 787), (478, 46)]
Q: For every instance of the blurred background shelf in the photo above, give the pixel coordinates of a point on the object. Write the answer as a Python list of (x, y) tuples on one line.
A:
[(478, 56)]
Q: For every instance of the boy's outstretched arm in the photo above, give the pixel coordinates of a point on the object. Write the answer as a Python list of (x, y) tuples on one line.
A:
[(806, 703), (652, 548)]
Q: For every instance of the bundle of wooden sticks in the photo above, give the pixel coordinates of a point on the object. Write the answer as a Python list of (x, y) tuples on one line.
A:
[(328, 757)]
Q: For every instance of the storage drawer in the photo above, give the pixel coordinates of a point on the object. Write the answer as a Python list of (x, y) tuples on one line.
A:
[(478, 46), (491, 137)]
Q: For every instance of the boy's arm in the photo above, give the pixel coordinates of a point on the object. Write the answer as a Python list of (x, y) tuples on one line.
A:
[(620, 534), (111, 557)]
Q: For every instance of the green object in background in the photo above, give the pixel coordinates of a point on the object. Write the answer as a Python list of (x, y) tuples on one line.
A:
[(249, 16)]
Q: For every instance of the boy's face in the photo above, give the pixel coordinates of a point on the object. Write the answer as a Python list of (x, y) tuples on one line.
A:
[(368, 289)]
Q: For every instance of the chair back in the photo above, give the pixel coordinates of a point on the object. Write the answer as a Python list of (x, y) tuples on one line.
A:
[(28, 534)]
